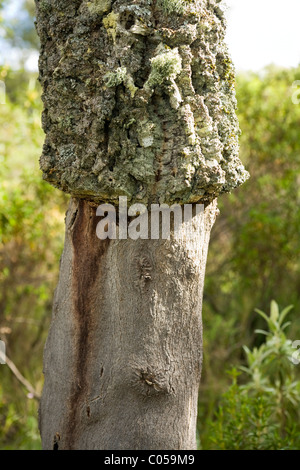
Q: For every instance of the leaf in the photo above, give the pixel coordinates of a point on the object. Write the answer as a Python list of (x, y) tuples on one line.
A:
[(285, 325), (262, 332), (284, 313), (274, 311), (246, 349), (262, 314), (245, 369)]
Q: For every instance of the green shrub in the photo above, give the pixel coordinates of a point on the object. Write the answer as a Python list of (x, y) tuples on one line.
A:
[(31, 240), (263, 412)]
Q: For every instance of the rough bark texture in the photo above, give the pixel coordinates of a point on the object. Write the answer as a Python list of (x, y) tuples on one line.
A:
[(123, 357), (139, 100)]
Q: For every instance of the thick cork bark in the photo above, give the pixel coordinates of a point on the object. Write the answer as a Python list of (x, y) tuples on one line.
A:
[(139, 100)]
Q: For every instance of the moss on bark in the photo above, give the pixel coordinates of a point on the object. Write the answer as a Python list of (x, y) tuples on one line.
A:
[(139, 100)]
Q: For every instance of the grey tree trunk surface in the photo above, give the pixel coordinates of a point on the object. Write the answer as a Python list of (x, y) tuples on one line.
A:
[(123, 357), (139, 101)]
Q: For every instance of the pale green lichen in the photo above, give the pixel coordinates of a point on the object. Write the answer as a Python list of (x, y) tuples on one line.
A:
[(99, 6), (129, 83), (115, 78), (160, 121), (164, 67), (174, 6), (110, 23)]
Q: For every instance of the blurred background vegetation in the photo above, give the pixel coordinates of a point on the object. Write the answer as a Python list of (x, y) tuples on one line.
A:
[(254, 257)]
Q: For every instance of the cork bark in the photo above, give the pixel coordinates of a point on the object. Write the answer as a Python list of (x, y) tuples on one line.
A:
[(139, 102)]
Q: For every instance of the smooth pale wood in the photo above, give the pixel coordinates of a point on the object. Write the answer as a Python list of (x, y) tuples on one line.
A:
[(123, 358)]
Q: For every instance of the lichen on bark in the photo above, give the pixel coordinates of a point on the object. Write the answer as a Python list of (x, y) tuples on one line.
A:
[(138, 100)]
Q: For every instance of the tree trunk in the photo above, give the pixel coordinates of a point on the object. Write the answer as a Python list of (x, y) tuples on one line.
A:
[(123, 359), (139, 102)]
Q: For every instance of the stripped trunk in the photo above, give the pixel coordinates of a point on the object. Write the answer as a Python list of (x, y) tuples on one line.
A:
[(123, 358)]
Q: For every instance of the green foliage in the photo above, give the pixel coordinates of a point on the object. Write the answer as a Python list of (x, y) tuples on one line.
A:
[(18, 431), (263, 412), (31, 237), (19, 30), (254, 251), (23, 89)]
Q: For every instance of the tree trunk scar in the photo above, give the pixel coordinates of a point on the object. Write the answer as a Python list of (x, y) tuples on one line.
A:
[(88, 252)]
